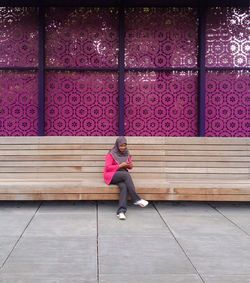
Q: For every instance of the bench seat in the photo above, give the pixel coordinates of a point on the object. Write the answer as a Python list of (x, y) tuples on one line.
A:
[(165, 168), (96, 190)]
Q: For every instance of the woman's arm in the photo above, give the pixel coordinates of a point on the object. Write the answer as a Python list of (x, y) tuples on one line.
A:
[(130, 163), (109, 164)]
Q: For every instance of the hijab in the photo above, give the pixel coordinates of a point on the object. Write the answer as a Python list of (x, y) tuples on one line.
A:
[(117, 154)]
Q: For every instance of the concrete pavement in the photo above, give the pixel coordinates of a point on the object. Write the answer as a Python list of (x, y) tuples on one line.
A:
[(166, 242)]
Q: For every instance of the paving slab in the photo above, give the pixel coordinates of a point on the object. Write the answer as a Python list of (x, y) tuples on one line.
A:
[(216, 246), (221, 265), (142, 255), (238, 213), (53, 257), (214, 254), (218, 255), (188, 225), (242, 221), (6, 245), (12, 224), (227, 279), (232, 208), (107, 206), (62, 225), (22, 207), (111, 207), (185, 208), (20, 278), (68, 207), (169, 278), (137, 223)]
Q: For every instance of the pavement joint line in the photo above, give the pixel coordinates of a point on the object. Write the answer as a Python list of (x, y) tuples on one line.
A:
[(178, 243), (21, 236), (215, 208), (97, 243)]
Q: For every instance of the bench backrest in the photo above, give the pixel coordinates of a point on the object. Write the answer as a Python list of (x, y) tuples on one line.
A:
[(154, 157)]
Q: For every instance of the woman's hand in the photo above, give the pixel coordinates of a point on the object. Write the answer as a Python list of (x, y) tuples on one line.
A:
[(124, 165), (130, 165)]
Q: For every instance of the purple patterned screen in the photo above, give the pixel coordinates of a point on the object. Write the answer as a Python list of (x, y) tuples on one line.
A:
[(18, 37), (227, 93), (227, 37), (161, 104), (228, 104), (82, 37), (157, 103), (18, 104), (161, 37), (81, 104)]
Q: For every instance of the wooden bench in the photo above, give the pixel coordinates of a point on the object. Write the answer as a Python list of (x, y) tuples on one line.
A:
[(165, 168)]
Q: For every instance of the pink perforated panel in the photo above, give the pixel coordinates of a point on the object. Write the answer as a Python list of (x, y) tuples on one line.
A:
[(227, 37), (161, 104), (81, 37), (81, 104), (161, 37), (18, 37), (228, 104), (18, 104)]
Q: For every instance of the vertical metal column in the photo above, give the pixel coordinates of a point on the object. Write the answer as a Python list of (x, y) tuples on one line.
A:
[(41, 73), (202, 12), (121, 70)]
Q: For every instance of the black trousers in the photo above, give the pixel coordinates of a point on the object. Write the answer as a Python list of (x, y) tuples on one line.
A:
[(125, 183)]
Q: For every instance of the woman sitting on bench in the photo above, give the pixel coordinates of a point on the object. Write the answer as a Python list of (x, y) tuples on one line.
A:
[(118, 162)]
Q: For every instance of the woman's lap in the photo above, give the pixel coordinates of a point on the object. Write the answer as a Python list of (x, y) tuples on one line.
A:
[(120, 176)]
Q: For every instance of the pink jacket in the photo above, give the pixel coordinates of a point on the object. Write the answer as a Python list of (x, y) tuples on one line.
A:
[(111, 166)]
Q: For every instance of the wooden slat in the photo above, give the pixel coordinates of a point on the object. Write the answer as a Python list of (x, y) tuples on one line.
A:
[(77, 176), (78, 169), (209, 158), (142, 182), (56, 163), (53, 152), (131, 140), (206, 140), (143, 164), (207, 176), (207, 182), (191, 147), (73, 152), (204, 197), (50, 157), (206, 153), (203, 164), (219, 191), (194, 159), (63, 163), (183, 147), (57, 140), (68, 196), (99, 169), (80, 176), (75, 188)]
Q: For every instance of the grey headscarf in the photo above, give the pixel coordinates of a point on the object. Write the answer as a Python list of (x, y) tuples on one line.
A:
[(117, 154)]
